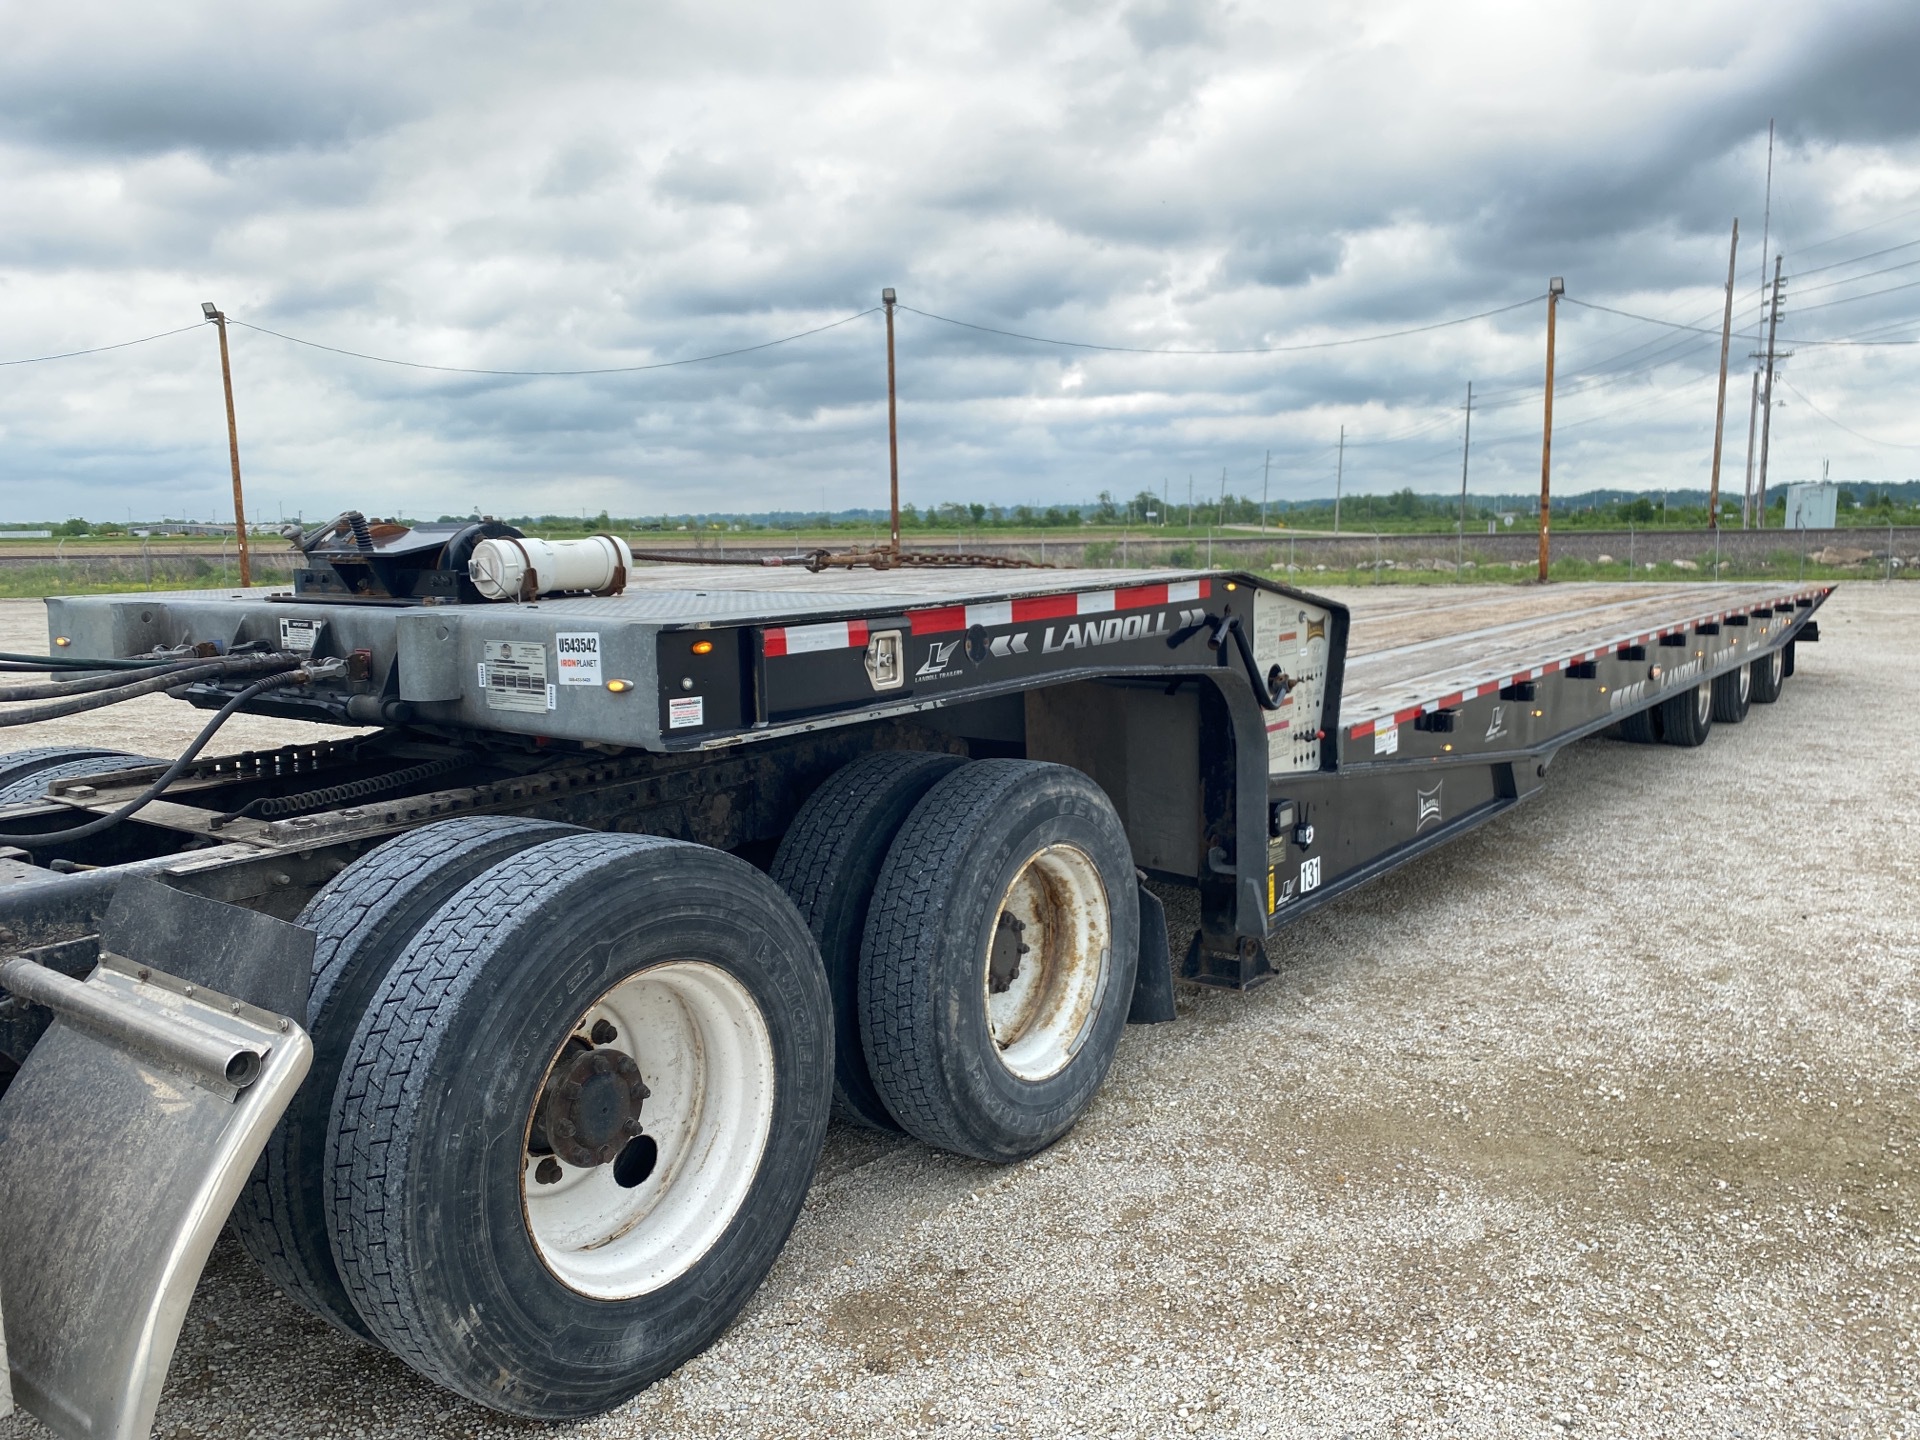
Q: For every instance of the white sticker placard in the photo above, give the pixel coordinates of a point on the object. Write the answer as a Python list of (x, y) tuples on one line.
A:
[(578, 654), (514, 676), (1310, 874), (1386, 739), (298, 637), (686, 711)]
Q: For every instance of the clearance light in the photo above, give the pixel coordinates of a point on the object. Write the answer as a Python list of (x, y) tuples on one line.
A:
[(619, 687), (703, 647), (1232, 586), (1538, 713), (1447, 748), (63, 641)]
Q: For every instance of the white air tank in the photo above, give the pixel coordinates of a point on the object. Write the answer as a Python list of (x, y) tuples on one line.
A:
[(500, 568)]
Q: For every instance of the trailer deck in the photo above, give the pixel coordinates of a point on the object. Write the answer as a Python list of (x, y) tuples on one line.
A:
[(1412, 651)]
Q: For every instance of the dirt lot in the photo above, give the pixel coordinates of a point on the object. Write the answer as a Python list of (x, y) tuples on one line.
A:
[(1601, 1121)]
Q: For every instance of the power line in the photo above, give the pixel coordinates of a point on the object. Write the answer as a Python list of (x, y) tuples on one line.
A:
[(1848, 235), (1628, 314), (1849, 299), (102, 349), (1250, 350), (607, 370), (1857, 259), (1871, 440)]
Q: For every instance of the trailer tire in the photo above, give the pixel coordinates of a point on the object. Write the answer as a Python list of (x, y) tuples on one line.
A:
[(25, 774), (995, 843), (1769, 676), (362, 919), (1642, 727), (557, 1304), (829, 863), (1732, 694), (1686, 719)]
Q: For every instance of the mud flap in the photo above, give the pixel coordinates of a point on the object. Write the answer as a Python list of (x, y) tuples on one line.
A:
[(124, 1141), (1153, 979)]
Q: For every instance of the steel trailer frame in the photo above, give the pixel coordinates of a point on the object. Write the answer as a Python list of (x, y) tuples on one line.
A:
[(707, 707)]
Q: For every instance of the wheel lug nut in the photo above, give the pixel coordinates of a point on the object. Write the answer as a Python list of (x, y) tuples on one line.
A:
[(603, 1033), (547, 1172)]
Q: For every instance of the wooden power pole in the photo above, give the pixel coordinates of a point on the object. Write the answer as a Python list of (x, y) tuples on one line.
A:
[(213, 313), (1339, 473), (1720, 406), (1555, 289)]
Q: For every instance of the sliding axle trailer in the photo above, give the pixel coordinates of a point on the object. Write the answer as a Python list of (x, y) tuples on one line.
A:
[(504, 1029)]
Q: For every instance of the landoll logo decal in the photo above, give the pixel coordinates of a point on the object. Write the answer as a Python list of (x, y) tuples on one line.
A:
[(1083, 633), (939, 652), (1429, 806), (1497, 726)]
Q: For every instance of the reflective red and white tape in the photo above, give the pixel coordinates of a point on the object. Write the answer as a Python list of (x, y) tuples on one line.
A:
[(946, 619)]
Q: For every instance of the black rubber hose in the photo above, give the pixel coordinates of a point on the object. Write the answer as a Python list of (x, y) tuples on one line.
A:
[(77, 662), (167, 776), (27, 714), (58, 689)]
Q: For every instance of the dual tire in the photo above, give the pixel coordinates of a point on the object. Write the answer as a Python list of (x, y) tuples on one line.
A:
[(1769, 674), (979, 925), (570, 1088), (568, 1095)]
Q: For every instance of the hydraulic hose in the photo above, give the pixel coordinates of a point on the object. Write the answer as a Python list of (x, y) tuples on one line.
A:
[(167, 776), (112, 680), (72, 704), (75, 662)]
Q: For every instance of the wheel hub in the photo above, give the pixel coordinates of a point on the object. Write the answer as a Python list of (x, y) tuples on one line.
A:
[(1003, 959), (591, 1107)]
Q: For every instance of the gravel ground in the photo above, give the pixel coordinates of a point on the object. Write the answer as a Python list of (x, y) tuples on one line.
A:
[(1598, 1121)]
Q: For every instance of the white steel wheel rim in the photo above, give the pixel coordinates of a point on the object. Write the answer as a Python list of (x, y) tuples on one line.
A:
[(1746, 683), (1776, 664), (706, 1055), (1040, 1020), (1703, 702)]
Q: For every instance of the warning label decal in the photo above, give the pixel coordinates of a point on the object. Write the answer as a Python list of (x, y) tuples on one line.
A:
[(299, 636), (514, 676)]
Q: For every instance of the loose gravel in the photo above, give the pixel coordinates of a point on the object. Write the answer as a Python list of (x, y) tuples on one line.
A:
[(1599, 1121)]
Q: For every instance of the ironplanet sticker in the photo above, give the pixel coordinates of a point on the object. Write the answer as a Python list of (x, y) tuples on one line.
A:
[(579, 656)]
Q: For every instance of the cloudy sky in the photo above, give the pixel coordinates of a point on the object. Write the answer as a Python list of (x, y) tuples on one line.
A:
[(512, 186)]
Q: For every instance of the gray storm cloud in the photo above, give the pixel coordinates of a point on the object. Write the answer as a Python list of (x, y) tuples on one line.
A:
[(511, 186)]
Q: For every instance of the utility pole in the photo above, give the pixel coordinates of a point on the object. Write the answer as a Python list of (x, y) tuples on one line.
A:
[(1265, 472), (1766, 415), (1753, 420), (1466, 448), (893, 429), (1339, 471), (1760, 295), (1720, 406), (1189, 500), (1220, 510), (212, 312), (1556, 287)]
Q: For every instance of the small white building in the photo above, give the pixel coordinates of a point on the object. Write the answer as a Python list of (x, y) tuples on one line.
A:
[(1812, 506)]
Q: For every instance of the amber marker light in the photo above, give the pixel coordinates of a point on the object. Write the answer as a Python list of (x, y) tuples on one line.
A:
[(619, 687), (703, 647), (62, 641)]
